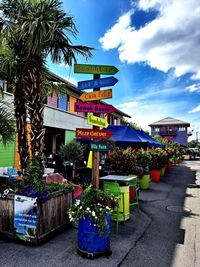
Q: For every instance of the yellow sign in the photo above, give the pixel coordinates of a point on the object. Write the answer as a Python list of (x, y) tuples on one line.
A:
[(96, 121), (96, 95)]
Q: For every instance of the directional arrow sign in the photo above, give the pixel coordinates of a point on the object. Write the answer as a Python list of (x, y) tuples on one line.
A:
[(98, 146), (97, 83), (95, 69), (93, 133), (93, 108), (96, 121), (96, 95)]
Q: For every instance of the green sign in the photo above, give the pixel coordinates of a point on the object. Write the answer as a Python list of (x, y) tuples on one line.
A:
[(95, 69), (95, 146), (97, 121)]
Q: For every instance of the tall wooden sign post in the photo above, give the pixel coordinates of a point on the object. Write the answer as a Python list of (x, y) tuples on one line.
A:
[(95, 154), (96, 83)]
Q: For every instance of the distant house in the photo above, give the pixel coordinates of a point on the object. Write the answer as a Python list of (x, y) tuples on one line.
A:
[(171, 129)]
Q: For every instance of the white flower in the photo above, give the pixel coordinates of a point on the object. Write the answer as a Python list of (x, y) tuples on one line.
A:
[(93, 213), (88, 209)]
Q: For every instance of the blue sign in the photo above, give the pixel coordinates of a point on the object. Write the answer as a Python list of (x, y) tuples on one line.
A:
[(97, 83), (25, 218), (98, 146)]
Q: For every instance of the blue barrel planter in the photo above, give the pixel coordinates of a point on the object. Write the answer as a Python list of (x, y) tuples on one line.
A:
[(90, 243)]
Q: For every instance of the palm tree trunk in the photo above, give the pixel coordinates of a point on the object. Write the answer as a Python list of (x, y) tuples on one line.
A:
[(21, 125), (36, 112)]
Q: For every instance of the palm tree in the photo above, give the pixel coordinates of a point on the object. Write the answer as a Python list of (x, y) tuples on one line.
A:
[(33, 30), (7, 123)]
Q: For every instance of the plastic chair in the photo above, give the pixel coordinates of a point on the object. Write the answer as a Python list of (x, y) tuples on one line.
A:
[(134, 184), (119, 212)]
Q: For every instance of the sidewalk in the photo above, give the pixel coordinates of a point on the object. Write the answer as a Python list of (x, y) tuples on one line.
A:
[(61, 250)]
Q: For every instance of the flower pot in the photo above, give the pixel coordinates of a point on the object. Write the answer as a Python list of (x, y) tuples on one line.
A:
[(162, 171), (132, 193), (169, 166), (144, 182), (91, 243), (155, 175)]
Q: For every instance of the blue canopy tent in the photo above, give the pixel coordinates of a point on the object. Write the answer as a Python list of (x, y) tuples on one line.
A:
[(152, 142), (124, 135)]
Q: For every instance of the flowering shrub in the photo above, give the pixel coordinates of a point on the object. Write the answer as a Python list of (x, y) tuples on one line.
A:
[(143, 158), (122, 161), (94, 204)]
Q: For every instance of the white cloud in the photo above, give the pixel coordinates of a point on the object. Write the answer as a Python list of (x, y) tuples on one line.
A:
[(145, 113), (128, 105), (196, 109), (117, 32), (193, 88), (63, 65), (169, 41)]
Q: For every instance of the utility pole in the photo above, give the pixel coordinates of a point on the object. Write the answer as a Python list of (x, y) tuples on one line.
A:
[(197, 139)]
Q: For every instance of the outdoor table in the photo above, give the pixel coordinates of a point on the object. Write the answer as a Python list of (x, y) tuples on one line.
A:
[(124, 189)]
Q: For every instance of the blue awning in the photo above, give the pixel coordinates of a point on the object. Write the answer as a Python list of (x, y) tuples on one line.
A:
[(124, 135)]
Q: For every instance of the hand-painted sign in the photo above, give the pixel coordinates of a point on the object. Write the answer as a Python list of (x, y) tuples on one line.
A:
[(97, 121), (93, 133), (96, 95), (97, 83), (98, 146), (93, 108), (95, 69), (25, 217)]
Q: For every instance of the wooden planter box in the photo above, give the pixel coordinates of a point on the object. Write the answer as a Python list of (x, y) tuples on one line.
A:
[(51, 216)]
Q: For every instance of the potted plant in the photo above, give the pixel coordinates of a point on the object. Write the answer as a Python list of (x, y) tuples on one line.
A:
[(35, 210), (143, 159), (93, 216), (156, 164), (73, 153), (122, 161)]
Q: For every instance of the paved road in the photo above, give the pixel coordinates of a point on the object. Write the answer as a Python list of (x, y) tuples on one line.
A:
[(173, 237), (162, 234)]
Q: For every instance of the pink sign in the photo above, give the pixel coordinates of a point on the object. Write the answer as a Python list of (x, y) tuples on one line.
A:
[(93, 108)]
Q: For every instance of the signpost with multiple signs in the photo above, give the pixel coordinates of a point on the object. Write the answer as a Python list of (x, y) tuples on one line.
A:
[(95, 108)]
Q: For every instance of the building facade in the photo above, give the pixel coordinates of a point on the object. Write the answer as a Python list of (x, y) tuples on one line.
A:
[(172, 129), (60, 122)]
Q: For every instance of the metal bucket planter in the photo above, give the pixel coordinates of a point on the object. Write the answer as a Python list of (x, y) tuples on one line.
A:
[(162, 171), (145, 181), (169, 166), (91, 244), (155, 175)]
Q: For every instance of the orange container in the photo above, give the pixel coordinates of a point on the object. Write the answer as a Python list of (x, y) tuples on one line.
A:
[(155, 175), (169, 166)]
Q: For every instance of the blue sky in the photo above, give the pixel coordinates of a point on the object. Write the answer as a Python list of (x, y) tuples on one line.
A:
[(155, 44)]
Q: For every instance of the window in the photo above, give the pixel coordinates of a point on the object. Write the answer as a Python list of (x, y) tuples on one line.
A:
[(181, 129)]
